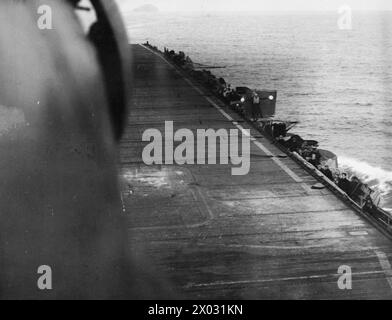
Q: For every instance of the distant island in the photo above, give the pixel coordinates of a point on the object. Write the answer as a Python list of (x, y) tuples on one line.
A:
[(146, 8)]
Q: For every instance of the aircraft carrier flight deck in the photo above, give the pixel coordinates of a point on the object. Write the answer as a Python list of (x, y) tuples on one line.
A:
[(264, 235)]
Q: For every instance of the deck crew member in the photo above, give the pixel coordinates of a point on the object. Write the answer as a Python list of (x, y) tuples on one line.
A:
[(344, 183), (256, 114), (315, 157)]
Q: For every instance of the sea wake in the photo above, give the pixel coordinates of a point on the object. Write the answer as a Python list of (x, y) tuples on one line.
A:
[(375, 177)]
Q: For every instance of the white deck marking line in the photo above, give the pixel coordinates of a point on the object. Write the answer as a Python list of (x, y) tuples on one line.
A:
[(207, 206), (251, 246), (385, 265), (358, 233), (258, 144), (122, 202), (242, 282)]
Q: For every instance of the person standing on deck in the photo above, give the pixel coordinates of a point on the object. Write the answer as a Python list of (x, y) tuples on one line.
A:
[(344, 183), (256, 114)]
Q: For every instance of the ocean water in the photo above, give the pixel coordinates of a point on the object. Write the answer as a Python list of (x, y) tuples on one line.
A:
[(336, 83)]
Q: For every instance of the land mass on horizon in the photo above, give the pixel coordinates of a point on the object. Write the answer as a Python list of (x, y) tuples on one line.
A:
[(146, 8)]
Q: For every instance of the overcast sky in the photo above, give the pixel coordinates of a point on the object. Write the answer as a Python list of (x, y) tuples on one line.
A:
[(259, 5)]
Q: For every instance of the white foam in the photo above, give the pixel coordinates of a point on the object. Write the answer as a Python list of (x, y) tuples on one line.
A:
[(375, 176)]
